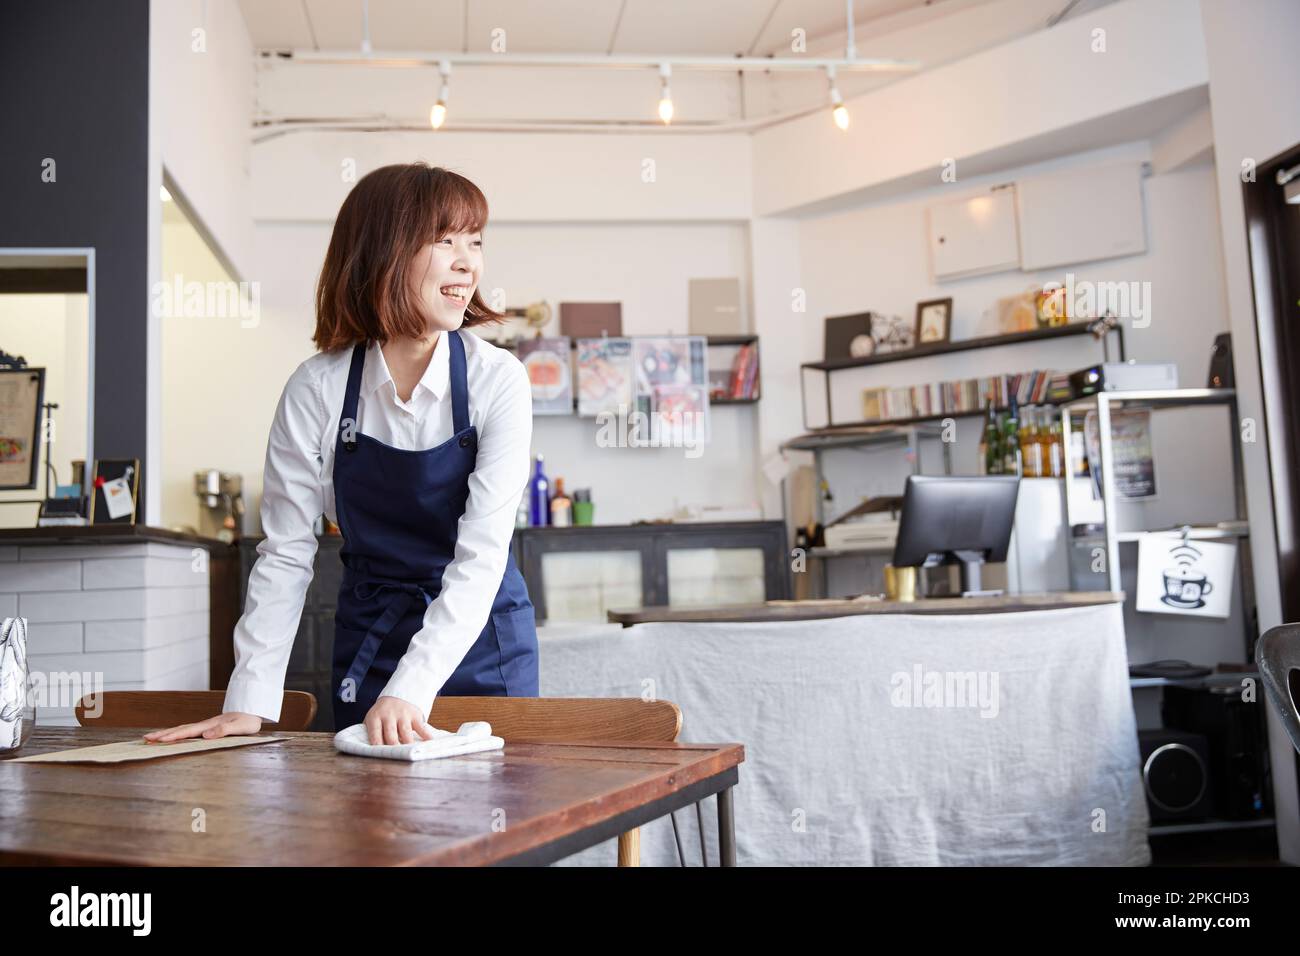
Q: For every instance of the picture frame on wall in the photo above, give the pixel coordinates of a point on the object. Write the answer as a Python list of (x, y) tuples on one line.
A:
[(115, 490), (933, 321), (22, 393)]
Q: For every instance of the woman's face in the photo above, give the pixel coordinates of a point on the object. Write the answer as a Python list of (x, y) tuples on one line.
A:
[(446, 273)]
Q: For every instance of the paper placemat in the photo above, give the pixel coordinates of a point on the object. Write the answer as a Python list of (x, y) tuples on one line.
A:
[(142, 749)]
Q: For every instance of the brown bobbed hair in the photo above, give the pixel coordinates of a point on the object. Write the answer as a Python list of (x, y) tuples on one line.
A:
[(364, 293)]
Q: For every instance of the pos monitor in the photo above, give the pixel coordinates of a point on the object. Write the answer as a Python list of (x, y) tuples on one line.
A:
[(964, 521)]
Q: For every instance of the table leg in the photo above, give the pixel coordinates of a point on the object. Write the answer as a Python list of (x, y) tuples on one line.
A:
[(726, 828)]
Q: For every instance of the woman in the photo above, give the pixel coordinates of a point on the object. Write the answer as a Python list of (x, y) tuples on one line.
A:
[(414, 437)]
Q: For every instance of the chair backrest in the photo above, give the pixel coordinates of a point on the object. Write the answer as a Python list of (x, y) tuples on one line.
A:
[(167, 708), (563, 718), (1278, 655)]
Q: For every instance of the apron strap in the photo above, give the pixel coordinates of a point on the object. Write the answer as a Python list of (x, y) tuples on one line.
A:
[(348, 419), (389, 619), (459, 390)]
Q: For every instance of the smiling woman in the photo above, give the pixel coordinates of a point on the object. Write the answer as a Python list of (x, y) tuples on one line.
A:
[(412, 436), (397, 222)]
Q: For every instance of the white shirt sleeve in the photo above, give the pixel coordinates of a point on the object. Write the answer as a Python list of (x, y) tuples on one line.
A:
[(292, 500), (456, 617)]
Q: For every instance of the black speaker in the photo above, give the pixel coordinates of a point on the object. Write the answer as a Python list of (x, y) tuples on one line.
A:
[(1234, 730), (1221, 362), (1176, 775)]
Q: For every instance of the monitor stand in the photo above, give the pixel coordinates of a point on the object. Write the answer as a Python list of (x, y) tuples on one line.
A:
[(970, 562)]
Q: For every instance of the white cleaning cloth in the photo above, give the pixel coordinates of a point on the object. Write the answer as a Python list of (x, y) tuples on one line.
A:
[(472, 737)]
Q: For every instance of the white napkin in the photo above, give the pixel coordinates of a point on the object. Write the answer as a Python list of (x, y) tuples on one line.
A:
[(472, 737)]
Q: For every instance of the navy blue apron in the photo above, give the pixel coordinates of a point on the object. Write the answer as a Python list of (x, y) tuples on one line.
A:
[(398, 511)]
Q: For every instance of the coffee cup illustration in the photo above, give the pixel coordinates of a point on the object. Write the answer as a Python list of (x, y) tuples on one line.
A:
[(1186, 587)]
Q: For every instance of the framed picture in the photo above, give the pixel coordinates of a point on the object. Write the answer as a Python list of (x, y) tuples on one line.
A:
[(22, 391), (933, 321), (892, 333), (115, 487)]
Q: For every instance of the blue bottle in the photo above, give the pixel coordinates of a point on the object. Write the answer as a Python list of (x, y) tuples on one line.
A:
[(539, 501)]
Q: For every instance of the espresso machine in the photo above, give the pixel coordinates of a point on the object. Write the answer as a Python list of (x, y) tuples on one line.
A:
[(221, 504)]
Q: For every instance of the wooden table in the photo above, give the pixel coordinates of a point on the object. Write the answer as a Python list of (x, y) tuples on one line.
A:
[(816, 610), (298, 802)]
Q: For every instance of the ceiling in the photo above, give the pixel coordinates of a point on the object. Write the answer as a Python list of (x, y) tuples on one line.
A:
[(749, 27)]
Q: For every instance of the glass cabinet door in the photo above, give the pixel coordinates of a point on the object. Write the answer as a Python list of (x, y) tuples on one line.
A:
[(583, 585), (715, 576)]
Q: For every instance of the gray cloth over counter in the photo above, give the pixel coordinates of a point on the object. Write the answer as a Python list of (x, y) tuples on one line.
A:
[(886, 740)]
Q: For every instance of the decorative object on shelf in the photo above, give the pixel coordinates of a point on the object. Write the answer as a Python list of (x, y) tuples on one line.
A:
[(933, 321), (1016, 313), (547, 361), (715, 307), (591, 320), (892, 333), (605, 375), (1221, 375), (536, 317), (847, 336), (740, 381), (1178, 576), (115, 487), (1051, 307)]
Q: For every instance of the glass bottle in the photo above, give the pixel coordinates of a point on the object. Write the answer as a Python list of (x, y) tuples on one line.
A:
[(538, 502), (1011, 440), (561, 506), (992, 443), (1031, 449)]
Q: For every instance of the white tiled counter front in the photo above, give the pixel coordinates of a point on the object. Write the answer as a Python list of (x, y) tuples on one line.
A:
[(122, 616)]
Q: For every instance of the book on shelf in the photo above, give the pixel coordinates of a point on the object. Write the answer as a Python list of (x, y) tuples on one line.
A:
[(1037, 387), (741, 380)]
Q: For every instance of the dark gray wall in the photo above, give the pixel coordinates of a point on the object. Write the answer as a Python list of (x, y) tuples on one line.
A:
[(74, 87)]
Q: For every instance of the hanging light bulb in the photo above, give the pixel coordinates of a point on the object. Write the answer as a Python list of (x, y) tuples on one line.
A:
[(839, 112), (438, 115), (665, 95)]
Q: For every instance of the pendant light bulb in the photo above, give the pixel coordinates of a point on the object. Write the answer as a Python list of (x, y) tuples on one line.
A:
[(438, 115), (839, 112), (665, 95)]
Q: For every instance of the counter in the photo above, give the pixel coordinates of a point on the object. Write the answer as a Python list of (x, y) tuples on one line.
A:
[(110, 607)]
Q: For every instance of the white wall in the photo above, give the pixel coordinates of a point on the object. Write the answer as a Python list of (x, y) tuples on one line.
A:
[(1021, 96), (1254, 70)]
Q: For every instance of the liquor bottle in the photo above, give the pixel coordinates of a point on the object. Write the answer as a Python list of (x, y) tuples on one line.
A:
[(1031, 449), (1056, 450), (539, 505), (561, 506), (992, 443), (1011, 440)]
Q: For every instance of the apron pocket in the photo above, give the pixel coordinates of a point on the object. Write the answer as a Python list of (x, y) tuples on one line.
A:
[(516, 631)]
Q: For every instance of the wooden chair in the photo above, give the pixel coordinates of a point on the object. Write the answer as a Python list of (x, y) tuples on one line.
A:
[(570, 719), (155, 709)]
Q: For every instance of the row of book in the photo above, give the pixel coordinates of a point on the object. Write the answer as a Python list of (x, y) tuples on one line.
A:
[(964, 395), (740, 380)]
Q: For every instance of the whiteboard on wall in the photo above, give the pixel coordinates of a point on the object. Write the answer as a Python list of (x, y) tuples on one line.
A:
[(1081, 215)]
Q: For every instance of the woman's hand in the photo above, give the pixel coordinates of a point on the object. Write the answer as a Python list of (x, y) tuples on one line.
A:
[(222, 725), (395, 721)]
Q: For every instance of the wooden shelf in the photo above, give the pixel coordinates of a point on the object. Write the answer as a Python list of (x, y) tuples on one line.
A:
[(965, 345)]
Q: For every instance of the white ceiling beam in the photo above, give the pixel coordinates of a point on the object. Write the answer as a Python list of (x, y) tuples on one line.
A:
[(406, 59)]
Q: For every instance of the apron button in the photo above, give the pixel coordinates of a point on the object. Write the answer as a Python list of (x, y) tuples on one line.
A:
[(464, 441)]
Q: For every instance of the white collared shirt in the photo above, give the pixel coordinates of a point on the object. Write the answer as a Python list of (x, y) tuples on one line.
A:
[(298, 486)]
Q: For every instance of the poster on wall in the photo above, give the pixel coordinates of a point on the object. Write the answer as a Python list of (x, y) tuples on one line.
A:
[(1130, 442), (604, 376), (672, 389), (22, 391), (547, 363), (1180, 576)]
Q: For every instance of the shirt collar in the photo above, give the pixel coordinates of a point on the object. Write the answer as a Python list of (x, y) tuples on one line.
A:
[(435, 379)]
